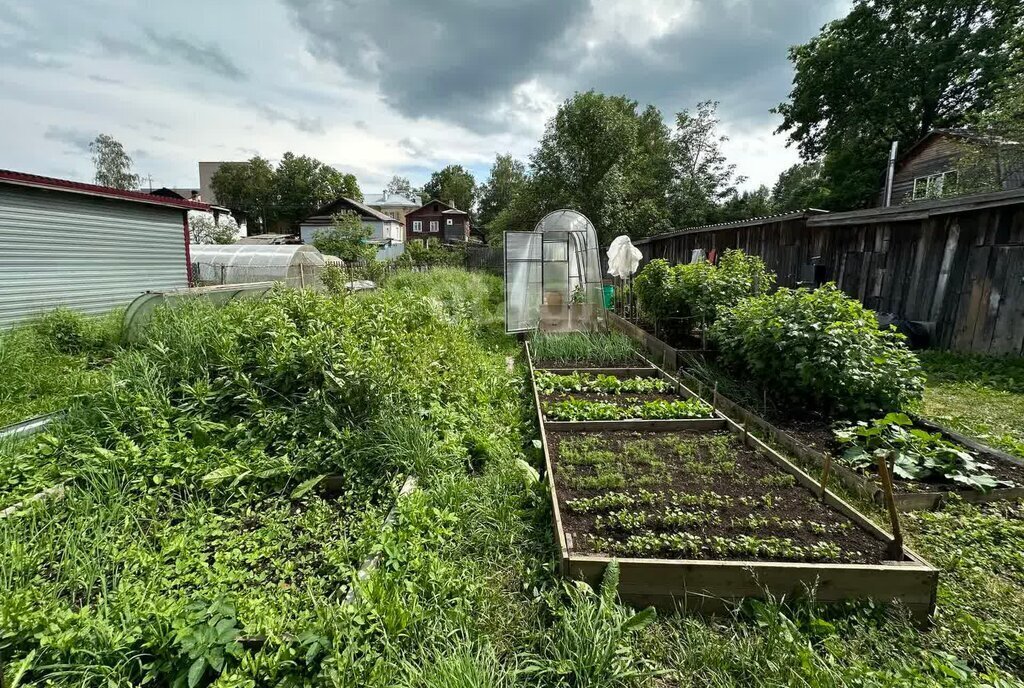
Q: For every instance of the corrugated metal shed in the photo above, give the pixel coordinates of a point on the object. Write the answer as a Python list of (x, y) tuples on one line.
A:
[(85, 249)]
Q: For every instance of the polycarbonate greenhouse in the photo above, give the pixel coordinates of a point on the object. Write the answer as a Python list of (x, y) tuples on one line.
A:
[(297, 265), (553, 275)]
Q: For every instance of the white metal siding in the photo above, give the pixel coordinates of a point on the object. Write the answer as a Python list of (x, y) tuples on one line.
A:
[(89, 254)]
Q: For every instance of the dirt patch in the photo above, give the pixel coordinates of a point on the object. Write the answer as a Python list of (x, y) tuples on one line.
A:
[(704, 486)]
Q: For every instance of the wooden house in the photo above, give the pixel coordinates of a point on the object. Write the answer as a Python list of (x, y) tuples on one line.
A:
[(437, 220), (929, 169)]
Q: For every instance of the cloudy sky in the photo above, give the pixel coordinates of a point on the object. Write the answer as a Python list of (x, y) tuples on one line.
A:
[(376, 87)]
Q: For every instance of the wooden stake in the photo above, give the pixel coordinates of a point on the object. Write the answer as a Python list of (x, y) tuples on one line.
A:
[(824, 474), (896, 546), (714, 398)]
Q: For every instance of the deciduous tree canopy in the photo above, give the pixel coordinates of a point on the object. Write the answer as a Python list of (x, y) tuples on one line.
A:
[(113, 164), (280, 197), (507, 178), (454, 184), (893, 70)]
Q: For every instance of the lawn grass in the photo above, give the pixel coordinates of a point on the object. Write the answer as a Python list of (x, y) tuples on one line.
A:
[(978, 396)]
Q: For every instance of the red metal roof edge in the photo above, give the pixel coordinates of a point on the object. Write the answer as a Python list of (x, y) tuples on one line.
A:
[(41, 182)]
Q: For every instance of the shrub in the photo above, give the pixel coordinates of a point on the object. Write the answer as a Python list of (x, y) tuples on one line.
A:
[(72, 333), (700, 290), (346, 239), (736, 277), (819, 349), (433, 253), (652, 286), (334, 280)]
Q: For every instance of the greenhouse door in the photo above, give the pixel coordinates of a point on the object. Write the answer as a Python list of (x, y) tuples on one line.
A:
[(523, 280)]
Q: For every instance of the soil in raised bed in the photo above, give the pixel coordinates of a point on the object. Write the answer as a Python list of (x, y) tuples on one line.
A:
[(816, 432), (726, 490)]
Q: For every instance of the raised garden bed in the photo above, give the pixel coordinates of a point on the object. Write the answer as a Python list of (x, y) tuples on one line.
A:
[(811, 442), (594, 399), (704, 517), (811, 439)]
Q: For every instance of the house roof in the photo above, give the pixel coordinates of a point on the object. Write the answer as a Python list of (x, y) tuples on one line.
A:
[(735, 224), (40, 182), (174, 192), (391, 200), (332, 208), (450, 209)]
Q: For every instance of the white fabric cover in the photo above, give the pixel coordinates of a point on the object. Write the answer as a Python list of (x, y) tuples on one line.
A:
[(623, 257)]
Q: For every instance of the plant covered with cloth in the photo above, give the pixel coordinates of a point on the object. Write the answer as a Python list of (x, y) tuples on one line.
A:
[(819, 350), (918, 455)]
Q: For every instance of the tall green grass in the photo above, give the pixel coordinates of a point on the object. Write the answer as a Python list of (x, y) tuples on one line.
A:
[(44, 364)]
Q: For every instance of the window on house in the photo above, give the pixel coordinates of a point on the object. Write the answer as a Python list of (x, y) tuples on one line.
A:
[(449, 221), (434, 225), (933, 185), (417, 225)]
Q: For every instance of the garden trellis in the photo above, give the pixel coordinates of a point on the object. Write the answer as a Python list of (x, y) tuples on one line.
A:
[(553, 276)]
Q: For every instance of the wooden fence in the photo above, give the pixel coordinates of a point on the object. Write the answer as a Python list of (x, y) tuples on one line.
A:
[(955, 264)]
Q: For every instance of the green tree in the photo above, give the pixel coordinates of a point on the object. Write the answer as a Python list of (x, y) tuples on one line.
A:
[(800, 186), (602, 157), (703, 179), (247, 186), (280, 197), (203, 229), (745, 205), (454, 184), (113, 164), (346, 239), (507, 178), (399, 185), (893, 70), (996, 158), (302, 184)]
